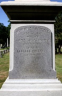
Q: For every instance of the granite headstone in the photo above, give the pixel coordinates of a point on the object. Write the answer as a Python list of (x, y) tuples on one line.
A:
[(32, 53)]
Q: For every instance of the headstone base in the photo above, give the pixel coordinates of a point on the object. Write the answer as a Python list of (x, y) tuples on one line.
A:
[(37, 87), (30, 93)]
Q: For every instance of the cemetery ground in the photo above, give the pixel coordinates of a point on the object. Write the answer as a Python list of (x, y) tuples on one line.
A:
[(4, 67)]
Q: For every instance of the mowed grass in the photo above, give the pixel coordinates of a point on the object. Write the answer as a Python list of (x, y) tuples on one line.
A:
[(58, 63), (4, 67)]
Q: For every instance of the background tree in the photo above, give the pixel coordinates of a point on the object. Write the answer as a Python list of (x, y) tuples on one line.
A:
[(4, 34), (58, 32)]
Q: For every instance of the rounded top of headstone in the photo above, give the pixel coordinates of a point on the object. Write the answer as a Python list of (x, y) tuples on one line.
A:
[(32, 0)]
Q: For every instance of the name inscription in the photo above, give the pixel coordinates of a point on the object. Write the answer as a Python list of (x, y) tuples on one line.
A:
[(32, 53), (31, 39)]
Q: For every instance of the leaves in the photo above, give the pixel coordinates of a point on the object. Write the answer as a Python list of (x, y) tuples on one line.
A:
[(58, 31), (4, 33)]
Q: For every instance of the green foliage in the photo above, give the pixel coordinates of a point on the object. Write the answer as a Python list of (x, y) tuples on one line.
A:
[(58, 32), (4, 34)]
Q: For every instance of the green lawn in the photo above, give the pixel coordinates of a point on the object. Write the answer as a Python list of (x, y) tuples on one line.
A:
[(59, 66), (4, 67)]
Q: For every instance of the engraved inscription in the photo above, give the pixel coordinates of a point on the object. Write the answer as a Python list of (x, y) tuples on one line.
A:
[(31, 40), (32, 53)]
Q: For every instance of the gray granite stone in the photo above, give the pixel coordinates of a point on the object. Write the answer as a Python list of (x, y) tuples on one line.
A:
[(31, 10), (1, 53), (32, 53), (31, 93)]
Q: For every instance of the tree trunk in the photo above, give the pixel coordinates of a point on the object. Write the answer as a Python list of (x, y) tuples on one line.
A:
[(55, 50)]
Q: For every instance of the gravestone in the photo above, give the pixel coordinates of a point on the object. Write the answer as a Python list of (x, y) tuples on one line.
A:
[(32, 53), (0, 46), (32, 48), (1, 53)]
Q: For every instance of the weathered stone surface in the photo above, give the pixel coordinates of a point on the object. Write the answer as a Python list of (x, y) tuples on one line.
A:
[(32, 53), (31, 10), (31, 93), (1, 53)]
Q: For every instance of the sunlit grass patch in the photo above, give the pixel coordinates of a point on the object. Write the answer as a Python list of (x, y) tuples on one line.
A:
[(4, 67), (59, 66)]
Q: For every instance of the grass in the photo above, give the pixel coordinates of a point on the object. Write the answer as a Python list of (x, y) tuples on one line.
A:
[(4, 67), (59, 66), (4, 48)]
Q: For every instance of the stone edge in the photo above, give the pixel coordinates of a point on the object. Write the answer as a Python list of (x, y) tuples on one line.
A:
[(15, 3)]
